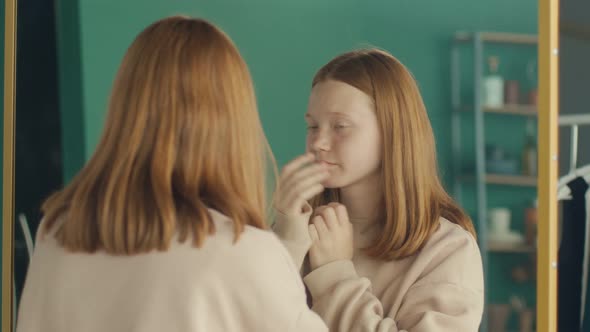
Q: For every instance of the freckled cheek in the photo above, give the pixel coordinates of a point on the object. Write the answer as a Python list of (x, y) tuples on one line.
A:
[(357, 147), (344, 148)]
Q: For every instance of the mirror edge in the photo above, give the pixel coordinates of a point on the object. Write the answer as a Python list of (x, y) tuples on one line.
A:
[(8, 163), (548, 164)]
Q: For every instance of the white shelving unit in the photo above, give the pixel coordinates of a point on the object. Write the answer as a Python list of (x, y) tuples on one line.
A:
[(479, 177)]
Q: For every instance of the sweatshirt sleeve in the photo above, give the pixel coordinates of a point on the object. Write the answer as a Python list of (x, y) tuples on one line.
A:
[(344, 300), (435, 302), (280, 293), (293, 235)]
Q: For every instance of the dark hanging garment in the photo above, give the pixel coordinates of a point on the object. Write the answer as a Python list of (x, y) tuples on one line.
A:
[(571, 258), (586, 302)]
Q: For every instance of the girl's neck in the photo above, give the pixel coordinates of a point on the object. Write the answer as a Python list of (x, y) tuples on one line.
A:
[(362, 199)]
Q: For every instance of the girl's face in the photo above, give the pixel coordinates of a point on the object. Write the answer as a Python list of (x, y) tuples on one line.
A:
[(343, 133)]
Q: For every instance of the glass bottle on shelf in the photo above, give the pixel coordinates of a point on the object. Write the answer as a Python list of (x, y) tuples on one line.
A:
[(493, 85), (529, 152), (532, 81)]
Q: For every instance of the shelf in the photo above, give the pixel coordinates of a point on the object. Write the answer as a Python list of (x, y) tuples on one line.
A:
[(508, 109), (511, 248), (499, 37), (505, 179), (484, 183), (513, 109), (513, 180)]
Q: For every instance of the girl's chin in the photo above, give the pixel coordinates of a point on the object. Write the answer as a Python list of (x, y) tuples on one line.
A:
[(331, 184)]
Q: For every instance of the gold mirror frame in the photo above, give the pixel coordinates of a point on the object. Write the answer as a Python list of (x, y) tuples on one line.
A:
[(548, 23), (8, 162), (548, 102)]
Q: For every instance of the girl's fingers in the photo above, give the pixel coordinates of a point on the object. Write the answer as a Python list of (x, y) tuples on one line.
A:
[(308, 174), (341, 213), (313, 233), (297, 200), (318, 210), (296, 189), (296, 164), (311, 192), (330, 218), (321, 227)]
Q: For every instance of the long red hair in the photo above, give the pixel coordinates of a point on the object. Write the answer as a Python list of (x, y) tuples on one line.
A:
[(413, 196), (182, 135)]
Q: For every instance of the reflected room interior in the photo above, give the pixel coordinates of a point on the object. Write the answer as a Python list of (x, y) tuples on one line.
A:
[(475, 62)]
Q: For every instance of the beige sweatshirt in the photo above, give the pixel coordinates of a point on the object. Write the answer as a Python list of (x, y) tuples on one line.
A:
[(438, 289), (250, 286)]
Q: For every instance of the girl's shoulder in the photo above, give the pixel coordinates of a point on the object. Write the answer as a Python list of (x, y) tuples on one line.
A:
[(452, 255), (449, 233)]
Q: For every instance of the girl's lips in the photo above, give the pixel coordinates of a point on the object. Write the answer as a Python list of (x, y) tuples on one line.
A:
[(327, 163)]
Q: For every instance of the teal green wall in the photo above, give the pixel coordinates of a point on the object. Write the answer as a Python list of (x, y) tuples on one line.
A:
[(284, 43), (73, 113)]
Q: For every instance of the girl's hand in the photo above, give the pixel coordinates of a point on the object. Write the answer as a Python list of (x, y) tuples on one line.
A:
[(300, 180), (331, 235)]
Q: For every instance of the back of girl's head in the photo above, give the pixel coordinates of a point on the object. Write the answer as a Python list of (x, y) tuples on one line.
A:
[(182, 134), (413, 198)]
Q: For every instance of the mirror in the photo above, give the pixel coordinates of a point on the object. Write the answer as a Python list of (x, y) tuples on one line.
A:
[(477, 65), (8, 15)]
